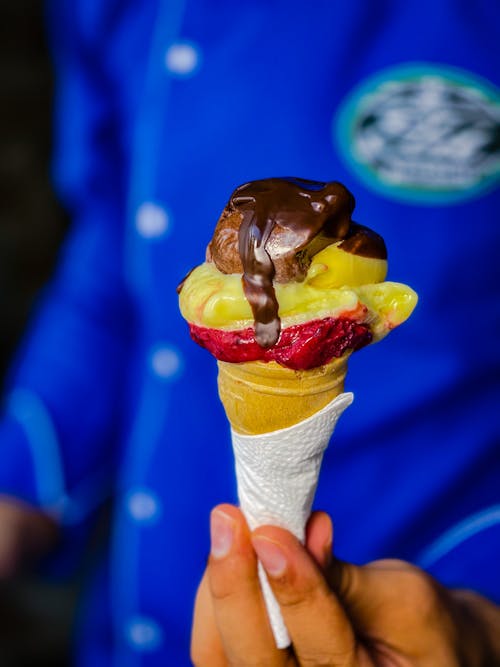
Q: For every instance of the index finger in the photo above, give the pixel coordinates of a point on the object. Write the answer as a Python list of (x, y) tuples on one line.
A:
[(239, 608)]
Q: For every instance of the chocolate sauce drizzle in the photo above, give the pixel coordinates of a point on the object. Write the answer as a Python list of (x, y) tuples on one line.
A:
[(316, 213)]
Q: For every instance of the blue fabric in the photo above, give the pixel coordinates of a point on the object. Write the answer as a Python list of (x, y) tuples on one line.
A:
[(133, 401), (17, 474)]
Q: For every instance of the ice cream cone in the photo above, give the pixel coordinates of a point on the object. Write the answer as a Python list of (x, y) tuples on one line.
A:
[(281, 422), (260, 397), (277, 474)]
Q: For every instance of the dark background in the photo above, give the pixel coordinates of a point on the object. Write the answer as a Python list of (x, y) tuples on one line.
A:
[(35, 614), (32, 224)]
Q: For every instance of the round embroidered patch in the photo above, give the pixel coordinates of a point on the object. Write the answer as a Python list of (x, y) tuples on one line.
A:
[(422, 133)]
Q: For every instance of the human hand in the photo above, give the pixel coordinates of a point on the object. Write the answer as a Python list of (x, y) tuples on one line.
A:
[(25, 534), (385, 614)]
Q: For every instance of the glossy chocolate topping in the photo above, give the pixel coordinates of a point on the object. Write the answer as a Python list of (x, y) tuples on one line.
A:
[(271, 229)]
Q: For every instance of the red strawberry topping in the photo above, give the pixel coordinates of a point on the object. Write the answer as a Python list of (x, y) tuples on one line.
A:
[(299, 347)]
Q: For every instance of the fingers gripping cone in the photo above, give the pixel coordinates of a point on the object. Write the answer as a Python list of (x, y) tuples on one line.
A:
[(281, 423)]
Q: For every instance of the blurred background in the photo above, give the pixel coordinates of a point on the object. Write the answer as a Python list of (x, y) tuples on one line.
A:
[(35, 613)]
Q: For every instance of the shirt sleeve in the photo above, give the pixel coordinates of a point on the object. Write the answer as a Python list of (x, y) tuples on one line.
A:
[(66, 388)]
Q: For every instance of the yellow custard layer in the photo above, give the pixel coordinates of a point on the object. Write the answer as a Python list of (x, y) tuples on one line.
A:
[(337, 283)]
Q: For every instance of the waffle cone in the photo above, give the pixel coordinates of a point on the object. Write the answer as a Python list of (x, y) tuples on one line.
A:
[(261, 397)]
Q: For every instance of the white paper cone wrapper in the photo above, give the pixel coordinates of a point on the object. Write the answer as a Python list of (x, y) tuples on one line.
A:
[(277, 475)]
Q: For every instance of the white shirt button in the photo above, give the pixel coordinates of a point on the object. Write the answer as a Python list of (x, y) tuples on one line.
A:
[(143, 505), (144, 634), (166, 362), (151, 220), (182, 58)]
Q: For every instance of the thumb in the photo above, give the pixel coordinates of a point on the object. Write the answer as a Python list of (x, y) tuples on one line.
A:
[(346, 580), (379, 591)]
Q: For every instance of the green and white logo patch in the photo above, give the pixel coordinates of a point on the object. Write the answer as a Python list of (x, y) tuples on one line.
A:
[(423, 133)]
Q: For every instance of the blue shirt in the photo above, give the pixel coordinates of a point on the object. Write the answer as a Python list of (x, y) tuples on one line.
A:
[(162, 108)]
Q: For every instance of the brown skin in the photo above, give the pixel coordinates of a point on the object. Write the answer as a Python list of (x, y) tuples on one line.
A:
[(26, 534), (385, 614)]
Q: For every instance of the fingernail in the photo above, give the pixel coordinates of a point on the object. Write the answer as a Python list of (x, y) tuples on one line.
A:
[(221, 533), (270, 555)]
